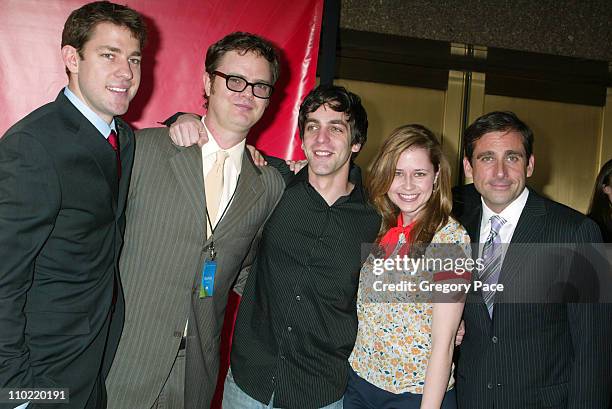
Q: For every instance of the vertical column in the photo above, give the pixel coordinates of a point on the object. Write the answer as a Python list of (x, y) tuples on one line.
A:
[(329, 38), (463, 103), (605, 136)]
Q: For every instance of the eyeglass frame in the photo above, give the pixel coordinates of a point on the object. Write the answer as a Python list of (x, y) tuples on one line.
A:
[(247, 83)]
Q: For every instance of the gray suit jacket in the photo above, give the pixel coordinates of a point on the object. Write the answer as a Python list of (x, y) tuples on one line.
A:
[(161, 267)]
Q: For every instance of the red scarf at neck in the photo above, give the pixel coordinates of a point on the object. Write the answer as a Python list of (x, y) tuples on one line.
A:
[(391, 238)]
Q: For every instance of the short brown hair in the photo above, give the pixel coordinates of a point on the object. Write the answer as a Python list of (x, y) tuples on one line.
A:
[(81, 23), (382, 172), (340, 100), (242, 43), (497, 121)]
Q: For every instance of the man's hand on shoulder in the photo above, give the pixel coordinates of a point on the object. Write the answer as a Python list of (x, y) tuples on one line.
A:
[(188, 130), (258, 158), (296, 165)]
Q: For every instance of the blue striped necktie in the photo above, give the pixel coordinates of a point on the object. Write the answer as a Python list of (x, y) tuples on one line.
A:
[(492, 255)]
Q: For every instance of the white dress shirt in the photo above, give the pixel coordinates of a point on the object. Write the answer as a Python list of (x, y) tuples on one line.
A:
[(231, 169), (510, 214)]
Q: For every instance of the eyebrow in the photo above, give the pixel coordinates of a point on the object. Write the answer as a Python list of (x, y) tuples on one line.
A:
[(486, 153), (506, 153), (333, 122), (116, 50), (413, 170), (255, 81), (339, 122)]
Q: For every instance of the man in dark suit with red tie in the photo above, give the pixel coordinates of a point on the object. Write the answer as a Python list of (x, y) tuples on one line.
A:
[(64, 174), (523, 349)]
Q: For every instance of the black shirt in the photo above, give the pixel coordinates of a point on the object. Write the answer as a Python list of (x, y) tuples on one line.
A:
[(297, 321)]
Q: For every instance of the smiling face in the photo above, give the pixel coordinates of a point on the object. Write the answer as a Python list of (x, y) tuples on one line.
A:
[(107, 77), (413, 182), (499, 168), (327, 143), (231, 112)]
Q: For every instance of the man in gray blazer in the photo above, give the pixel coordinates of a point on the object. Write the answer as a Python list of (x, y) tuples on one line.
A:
[(175, 227)]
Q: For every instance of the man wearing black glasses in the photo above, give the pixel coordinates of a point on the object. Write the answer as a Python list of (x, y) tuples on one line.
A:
[(193, 216), (297, 322)]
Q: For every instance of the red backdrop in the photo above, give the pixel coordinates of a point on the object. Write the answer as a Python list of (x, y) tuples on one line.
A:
[(32, 73)]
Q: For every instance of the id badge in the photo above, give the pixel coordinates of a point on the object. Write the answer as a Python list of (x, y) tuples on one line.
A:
[(207, 286)]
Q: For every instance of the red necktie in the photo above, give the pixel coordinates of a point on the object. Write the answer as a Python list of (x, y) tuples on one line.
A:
[(114, 142)]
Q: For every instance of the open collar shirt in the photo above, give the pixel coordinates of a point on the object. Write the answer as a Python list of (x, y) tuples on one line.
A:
[(297, 321)]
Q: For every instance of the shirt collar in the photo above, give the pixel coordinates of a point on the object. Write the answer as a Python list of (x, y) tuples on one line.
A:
[(235, 152), (302, 176), (99, 123), (357, 194), (511, 213)]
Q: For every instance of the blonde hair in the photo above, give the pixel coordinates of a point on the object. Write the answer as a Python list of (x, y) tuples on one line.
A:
[(438, 208)]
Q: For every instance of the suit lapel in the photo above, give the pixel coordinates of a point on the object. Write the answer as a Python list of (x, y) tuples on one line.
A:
[(471, 222), (187, 167), (126, 149), (248, 191), (528, 230), (87, 136)]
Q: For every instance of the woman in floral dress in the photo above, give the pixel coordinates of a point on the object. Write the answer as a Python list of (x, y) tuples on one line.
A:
[(403, 352)]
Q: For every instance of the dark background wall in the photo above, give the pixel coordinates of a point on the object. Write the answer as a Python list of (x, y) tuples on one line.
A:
[(576, 28)]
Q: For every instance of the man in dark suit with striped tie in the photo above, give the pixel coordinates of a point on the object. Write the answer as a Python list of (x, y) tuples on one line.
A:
[(519, 354)]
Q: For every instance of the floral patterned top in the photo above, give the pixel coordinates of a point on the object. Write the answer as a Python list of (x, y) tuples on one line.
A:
[(393, 342)]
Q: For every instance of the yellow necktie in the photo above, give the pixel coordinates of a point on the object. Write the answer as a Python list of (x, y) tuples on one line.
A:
[(213, 183)]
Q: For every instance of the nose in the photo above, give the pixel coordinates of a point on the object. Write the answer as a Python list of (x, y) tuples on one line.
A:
[(248, 91), (407, 182), (124, 70), (500, 168), (323, 135)]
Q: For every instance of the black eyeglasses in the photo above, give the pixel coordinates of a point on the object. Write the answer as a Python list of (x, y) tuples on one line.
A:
[(239, 84)]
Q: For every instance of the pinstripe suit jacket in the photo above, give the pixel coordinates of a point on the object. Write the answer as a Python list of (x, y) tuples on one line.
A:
[(161, 266), (534, 355)]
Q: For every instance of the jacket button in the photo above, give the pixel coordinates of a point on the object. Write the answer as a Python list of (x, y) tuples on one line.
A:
[(489, 385), (494, 339)]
